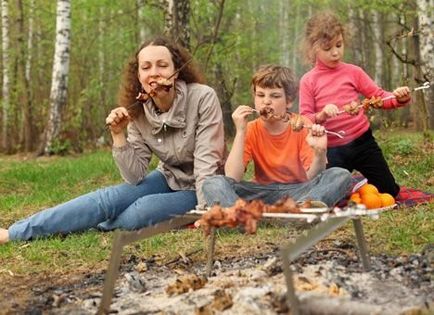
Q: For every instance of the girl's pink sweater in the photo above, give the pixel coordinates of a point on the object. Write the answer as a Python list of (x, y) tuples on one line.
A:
[(341, 85)]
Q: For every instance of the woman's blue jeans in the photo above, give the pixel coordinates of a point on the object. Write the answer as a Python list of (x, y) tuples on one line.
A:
[(330, 186), (123, 206)]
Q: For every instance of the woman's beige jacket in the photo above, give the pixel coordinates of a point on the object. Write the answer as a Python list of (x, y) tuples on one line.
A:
[(188, 140)]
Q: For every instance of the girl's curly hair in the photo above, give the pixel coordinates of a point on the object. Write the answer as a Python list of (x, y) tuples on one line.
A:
[(320, 29)]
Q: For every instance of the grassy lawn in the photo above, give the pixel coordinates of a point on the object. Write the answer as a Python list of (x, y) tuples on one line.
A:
[(28, 185)]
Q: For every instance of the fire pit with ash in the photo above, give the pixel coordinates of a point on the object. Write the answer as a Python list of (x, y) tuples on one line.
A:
[(328, 279)]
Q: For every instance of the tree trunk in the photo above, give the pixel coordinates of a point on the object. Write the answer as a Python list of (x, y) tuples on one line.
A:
[(26, 130), (295, 43), (400, 72), (6, 82), (225, 94), (177, 16), (58, 93), (426, 45), (420, 111), (357, 48), (283, 30), (378, 49), (143, 30)]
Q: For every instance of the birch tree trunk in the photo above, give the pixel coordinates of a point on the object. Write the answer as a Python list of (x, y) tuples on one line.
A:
[(357, 45), (143, 30), (6, 83), (283, 29), (296, 40), (177, 16), (376, 27), (401, 74), (426, 45), (26, 132), (58, 93)]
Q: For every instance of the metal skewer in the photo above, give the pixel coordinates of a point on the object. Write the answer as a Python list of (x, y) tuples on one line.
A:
[(426, 85), (339, 134), (107, 126)]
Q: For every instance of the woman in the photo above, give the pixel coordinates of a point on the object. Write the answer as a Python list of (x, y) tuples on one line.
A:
[(179, 120)]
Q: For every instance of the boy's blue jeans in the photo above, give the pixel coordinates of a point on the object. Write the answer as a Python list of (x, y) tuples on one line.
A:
[(123, 206), (330, 186)]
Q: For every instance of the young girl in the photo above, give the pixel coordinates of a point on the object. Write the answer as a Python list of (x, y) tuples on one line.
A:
[(332, 84)]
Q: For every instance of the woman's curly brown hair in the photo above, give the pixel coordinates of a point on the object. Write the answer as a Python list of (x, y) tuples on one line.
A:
[(320, 30), (130, 85)]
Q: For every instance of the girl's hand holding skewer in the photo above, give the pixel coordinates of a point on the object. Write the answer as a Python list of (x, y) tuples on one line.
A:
[(329, 111), (402, 94)]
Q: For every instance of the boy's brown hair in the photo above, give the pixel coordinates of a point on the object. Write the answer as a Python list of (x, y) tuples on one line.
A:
[(275, 76), (320, 30)]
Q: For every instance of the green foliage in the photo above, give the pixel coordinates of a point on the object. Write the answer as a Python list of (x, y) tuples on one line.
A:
[(60, 147)]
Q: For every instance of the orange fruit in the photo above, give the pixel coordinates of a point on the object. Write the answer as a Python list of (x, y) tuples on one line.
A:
[(371, 200), (368, 189), (356, 198), (387, 200)]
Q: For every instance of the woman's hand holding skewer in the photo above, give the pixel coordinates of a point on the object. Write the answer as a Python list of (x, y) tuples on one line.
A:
[(118, 120)]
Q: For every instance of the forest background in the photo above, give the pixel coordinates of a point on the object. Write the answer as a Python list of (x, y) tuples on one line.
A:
[(61, 61)]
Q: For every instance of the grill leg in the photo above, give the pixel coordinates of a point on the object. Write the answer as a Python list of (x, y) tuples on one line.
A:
[(361, 243), (211, 247)]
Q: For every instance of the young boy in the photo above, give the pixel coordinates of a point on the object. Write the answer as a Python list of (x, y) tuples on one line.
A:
[(287, 163)]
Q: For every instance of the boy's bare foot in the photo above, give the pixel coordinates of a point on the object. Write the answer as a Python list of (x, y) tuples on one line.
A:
[(4, 236)]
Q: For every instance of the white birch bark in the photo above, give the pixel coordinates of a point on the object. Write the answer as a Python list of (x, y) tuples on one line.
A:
[(58, 93), (143, 30), (376, 27), (284, 29), (168, 16), (357, 45), (426, 40), (6, 80), (296, 39)]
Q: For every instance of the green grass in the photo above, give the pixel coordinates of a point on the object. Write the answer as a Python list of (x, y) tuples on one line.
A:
[(28, 185)]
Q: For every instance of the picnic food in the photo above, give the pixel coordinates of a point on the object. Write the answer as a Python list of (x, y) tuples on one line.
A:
[(371, 200), (161, 84), (245, 213), (387, 200), (368, 188), (373, 102), (368, 103), (352, 109), (369, 196), (295, 120)]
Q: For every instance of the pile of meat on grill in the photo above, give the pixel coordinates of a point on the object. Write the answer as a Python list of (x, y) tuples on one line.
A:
[(245, 213)]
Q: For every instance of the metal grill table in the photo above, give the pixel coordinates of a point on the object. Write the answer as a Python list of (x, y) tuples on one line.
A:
[(289, 252)]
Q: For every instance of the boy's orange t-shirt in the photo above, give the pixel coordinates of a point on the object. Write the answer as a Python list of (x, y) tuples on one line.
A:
[(282, 158)]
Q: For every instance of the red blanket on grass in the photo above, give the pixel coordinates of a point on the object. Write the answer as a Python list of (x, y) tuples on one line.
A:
[(411, 197)]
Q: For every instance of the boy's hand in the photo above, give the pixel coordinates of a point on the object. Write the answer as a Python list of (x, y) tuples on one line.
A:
[(239, 116), (402, 94), (317, 139), (329, 111)]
